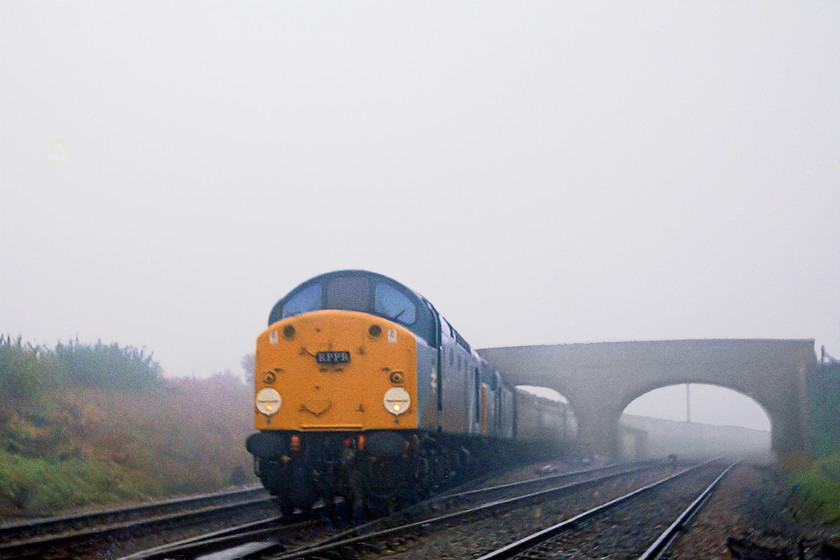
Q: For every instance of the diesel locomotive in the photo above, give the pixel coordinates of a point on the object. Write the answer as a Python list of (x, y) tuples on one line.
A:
[(364, 391)]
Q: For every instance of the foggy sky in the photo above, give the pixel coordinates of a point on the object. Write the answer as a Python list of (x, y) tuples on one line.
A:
[(543, 172)]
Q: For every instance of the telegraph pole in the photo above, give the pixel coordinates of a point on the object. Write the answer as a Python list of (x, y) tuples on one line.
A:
[(688, 403)]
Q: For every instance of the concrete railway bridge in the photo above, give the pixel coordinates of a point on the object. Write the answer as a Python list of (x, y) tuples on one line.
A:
[(601, 379)]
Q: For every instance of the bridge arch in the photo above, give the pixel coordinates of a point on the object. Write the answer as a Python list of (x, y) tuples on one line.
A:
[(601, 379), (719, 421), (698, 388)]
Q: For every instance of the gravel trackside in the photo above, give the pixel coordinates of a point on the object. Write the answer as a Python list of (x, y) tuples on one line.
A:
[(752, 505)]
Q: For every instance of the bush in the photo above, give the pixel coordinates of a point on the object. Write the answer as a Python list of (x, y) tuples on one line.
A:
[(85, 424), (818, 487), (824, 396), (106, 366), (24, 369), (816, 481)]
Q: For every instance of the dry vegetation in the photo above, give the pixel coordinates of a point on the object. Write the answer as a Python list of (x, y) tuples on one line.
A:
[(70, 443)]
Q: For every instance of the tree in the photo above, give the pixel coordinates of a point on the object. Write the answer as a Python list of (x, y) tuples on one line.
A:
[(247, 364)]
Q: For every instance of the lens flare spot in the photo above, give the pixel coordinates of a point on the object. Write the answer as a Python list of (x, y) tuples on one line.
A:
[(58, 152)]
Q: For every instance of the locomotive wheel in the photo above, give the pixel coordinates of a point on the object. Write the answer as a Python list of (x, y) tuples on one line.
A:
[(287, 508), (356, 497), (446, 467), (299, 490), (389, 476), (421, 485), (271, 475)]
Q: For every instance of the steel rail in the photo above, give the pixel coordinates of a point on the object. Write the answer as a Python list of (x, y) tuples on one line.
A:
[(531, 541), (235, 536), (60, 523), (30, 546), (212, 542), (325, 546), (664, 541), (458, 494), (539, 480)]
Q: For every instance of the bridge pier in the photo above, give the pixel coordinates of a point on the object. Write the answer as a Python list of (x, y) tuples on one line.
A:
[(598, 436)]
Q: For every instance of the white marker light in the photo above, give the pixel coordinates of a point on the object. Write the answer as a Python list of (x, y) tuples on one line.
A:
[(397, 400), (268, 401)]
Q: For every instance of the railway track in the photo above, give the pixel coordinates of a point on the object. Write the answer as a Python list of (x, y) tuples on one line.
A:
[(461, 512), (80, 535), (490, 504), (271, 541), (626, 527)]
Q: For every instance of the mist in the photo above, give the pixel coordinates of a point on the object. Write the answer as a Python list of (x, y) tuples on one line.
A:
[(544, 173)]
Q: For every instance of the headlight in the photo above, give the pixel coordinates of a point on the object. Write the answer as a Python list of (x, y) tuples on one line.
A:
[(268, 401), (397, 400)]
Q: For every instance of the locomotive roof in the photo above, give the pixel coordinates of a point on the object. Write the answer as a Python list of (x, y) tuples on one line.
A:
[(421, 321), (354, 272)]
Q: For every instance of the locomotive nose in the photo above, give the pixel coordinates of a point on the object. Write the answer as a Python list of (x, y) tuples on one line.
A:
[(333, 368)]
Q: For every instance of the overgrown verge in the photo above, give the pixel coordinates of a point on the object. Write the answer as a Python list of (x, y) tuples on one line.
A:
[(818, 487), (85, 425), (817, 482)]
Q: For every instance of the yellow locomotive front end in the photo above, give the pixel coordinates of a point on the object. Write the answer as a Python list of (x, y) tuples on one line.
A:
[(336, 371), (337, 398)]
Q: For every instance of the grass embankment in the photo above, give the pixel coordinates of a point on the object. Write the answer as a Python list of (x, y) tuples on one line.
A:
[(91, 425), (817, 481)]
